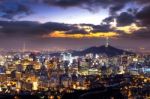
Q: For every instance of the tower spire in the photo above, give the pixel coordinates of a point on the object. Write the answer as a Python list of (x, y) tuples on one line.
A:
[(107, 42)]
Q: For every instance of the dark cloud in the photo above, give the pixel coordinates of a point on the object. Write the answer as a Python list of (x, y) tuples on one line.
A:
[(95, 29), (29, 28), (16, 28), (76, 31), (35, 29), (116, 8), (145, 2), (132, 11), (56, 26), (101, 28), (140, 18), (11, 9), (91, 5), (144, 16), (107, 20), (125, 18)]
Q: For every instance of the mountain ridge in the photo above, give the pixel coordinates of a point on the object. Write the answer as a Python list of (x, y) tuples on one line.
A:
[(109, 50)]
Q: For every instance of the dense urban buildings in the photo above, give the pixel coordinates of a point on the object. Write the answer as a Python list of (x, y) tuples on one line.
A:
[(55, 77)]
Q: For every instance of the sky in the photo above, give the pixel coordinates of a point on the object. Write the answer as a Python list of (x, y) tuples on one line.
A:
[(57, 25)]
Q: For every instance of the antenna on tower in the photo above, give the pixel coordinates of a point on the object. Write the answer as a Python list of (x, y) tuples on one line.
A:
[(107, 42)]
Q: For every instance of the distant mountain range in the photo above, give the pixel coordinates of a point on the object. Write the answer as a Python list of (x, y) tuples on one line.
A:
[(109, 50)]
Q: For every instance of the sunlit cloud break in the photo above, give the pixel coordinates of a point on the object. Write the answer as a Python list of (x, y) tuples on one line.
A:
[(62, 34), (130, 28), (83, 31), (89, 32)]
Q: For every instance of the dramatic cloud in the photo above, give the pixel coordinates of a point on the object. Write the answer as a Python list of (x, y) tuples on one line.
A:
[(91, 5), (35, 30), (145, 2), (17, 28), (143, 20), (29, 28), (76, 31), (132, 21), (116, 8), (130, 29), (102, 28), (84, 31), (144, 16), (123, 19), (19, 8), (11, 9)]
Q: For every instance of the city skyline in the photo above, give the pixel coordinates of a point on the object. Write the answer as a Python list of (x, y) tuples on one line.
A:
[(74, 24), (75, 49)]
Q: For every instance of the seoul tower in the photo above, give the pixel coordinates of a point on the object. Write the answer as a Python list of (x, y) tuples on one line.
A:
[(107, 42)]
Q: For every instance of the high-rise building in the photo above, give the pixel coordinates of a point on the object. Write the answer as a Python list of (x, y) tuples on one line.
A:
[(67, 57)]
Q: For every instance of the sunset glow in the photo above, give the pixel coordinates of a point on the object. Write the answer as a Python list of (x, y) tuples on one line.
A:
[(62, 34), (129, 29)]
